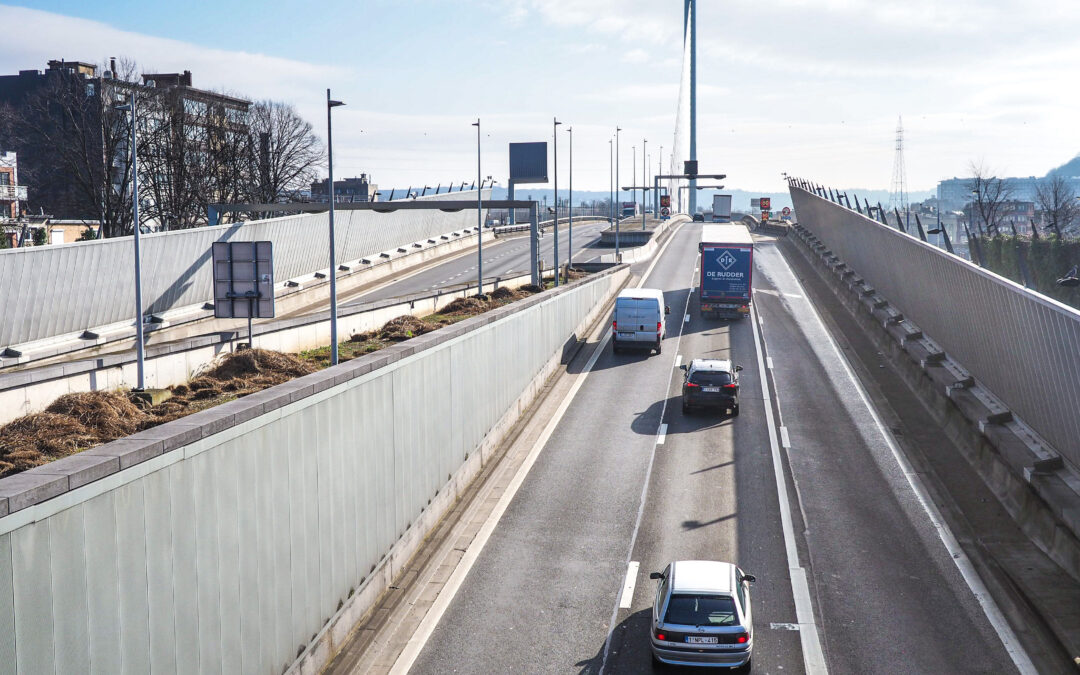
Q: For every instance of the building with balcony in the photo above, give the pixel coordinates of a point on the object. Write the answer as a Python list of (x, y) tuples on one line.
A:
[(12, 195)]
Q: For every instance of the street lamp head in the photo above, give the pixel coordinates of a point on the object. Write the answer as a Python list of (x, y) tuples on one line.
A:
[(476, 123), (334, 104)]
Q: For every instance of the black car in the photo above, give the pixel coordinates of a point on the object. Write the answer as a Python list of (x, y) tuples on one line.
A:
[(710, 383), (699, 217)]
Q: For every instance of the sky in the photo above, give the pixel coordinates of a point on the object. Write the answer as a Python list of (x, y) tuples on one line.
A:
[(813, 88)]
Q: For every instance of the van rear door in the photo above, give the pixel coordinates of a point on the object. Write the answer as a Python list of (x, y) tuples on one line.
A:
[(636, 319)]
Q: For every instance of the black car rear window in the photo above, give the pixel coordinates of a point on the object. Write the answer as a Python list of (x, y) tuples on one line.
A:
[(710, 378), (701, 610)]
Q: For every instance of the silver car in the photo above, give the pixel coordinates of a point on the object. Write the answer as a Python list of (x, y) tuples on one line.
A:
[(701, 615)]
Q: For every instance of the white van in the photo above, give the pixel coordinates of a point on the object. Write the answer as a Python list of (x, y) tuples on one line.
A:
[(640, 320)]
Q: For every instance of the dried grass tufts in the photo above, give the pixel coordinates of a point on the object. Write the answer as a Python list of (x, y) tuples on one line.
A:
[(403, 327), (259, 362), (39, 438), (106, 414), (465, 306)]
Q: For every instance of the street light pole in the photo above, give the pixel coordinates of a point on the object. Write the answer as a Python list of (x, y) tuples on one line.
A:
[(330, 105), (644, 171), (570, 229), (140, 340), (611, 178), (479, 217), (617, 211), (555, 135)]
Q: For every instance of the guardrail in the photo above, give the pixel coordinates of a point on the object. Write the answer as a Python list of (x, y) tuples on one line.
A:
[(1021, 345)]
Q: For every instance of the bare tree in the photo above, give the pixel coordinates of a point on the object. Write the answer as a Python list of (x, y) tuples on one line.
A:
[(285, 151), (86, 141), (1057, 200), (988, 193)]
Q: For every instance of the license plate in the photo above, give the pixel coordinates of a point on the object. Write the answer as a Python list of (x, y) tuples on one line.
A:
[(728, 306), (711, 390), (701, 640), (625, 335)]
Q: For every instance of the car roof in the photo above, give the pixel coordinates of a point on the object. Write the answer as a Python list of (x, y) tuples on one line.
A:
[(722, 365), (701, 576)]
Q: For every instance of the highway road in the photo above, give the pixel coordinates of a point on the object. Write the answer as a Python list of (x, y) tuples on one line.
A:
[(502, 258), (803, 490)]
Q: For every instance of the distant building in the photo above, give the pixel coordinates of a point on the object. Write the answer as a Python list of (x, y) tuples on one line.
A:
[(12, 195), (954, 193), (52, 187), (347, 190), (1012, 213)]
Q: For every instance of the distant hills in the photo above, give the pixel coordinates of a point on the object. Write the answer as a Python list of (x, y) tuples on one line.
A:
[(1068, 169)]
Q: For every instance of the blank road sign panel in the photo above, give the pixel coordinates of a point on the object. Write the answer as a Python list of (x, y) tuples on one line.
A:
[(528, 163), (243, 280)]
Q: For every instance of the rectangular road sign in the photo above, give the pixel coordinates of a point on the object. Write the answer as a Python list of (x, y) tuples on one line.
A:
[(243, 280), (528, 163), (665, 201)]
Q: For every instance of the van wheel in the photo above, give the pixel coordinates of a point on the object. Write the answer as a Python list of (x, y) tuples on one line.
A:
[(659, 348), (685, 408), (735, 410), (614, 347)]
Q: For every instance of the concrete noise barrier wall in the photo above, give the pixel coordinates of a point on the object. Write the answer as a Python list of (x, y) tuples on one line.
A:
[(228, 540), (1021, 345), (68, 288)]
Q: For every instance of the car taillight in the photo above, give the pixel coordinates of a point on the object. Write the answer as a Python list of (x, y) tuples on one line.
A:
[(614, 325), (660, 636), (691, 384), (742, 638), (729, 386), (659, 326)]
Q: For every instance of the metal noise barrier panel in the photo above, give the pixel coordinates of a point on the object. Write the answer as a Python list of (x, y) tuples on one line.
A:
[(1023, 346), (46, 291), (229, 553)]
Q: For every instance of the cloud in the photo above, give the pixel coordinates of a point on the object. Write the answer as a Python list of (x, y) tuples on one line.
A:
[(636, 56), (43, 36)]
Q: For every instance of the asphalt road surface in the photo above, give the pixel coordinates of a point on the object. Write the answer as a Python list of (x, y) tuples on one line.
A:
[(502, 258), (852, 576)]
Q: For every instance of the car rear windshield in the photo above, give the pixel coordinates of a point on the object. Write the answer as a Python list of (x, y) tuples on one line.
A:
[(711, 378), (701, 610)]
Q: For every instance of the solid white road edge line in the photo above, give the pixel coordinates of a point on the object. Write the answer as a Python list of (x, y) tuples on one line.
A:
[(785, 440), (967, 570), (416, 643), (628, 585), (442, 602), (678, 360), (661, 435), (648, 472), (813, 657)]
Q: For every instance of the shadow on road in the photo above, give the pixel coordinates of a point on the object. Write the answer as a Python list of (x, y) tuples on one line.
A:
[(630, 651)]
